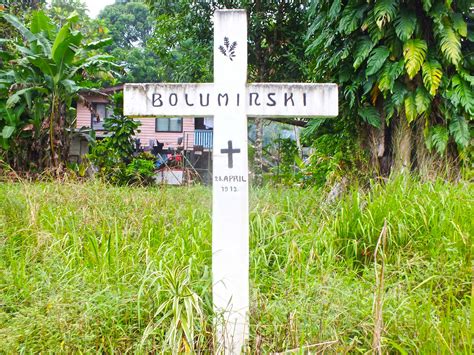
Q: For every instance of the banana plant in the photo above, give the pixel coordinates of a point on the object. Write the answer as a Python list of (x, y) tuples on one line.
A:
[(46, 68)]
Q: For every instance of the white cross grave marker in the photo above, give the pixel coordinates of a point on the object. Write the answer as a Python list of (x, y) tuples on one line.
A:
[(230, 100)]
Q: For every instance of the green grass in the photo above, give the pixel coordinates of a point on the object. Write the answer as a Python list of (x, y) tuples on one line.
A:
[(87, 267)]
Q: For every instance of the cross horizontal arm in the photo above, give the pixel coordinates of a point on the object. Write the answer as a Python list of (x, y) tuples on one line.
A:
[(163, 99), (257, 100), (292, 100)]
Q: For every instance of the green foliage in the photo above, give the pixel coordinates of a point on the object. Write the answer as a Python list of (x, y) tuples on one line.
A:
[(39, 85), (376, 60), (438, 139), (183, 38), (130, 24), (405, 25), (363, 48), (422, 100), (370, 115), (88, 268), (414, 51), (410, 108), (459, 129), (141, 170), (385, 11), (113, 156), (333, 154), (181, 313), (287, 169), (450, 43), (432, 74), (390, 73), (410, 51), (461, 94), (121, 130)]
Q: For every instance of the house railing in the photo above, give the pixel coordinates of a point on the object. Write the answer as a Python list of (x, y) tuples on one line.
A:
[(203, 138)]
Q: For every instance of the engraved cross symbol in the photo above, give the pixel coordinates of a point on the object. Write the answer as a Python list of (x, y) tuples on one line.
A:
[(229, 151)]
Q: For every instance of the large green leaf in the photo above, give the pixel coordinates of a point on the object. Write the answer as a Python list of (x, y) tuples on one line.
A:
[(438, 139), (389, 110), (377, 59), (422, 100), (414, 52), (335, 9), (42, 23), (16, 97), (461, 92), (390, 72), (12, 20), (459, 129), (466, 76), (399, 93), (65, 45), (362, 50), (385, 11), (375, 33), (98, 44), (450, 44), (352, 15), (70, 86), (410, 108), (370, 115), (45, 65), (459, 24), (427, 5), (7, 131), (405, 24), (432, 74)]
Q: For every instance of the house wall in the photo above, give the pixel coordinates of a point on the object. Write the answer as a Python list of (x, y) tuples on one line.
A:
[(147, 128), (83, 118), (83, 114), (169, 139)]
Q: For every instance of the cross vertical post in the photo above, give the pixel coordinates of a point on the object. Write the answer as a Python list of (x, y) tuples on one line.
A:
[(230, 100), (230, 230)]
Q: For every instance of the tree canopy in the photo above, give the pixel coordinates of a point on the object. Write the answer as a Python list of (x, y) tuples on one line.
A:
[(131, 25)]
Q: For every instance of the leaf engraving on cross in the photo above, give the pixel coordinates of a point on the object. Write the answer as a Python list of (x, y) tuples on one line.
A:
[(228, 49), (230, 100)]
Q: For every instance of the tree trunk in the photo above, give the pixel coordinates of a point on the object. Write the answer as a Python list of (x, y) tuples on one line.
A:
[(402, 145), (258, 150), (377, 141)]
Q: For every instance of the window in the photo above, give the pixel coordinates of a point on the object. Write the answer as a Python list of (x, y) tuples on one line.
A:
[(102, 112), (172, 124)]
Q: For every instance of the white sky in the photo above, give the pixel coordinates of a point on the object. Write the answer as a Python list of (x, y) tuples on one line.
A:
[(95, 6)]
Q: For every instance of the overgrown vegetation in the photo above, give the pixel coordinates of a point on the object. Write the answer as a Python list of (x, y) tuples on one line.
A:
[(44, 66), (115, 156), (405, 75), (94, 268)]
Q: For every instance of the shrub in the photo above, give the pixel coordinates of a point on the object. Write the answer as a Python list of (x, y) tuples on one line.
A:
[(140, 170)]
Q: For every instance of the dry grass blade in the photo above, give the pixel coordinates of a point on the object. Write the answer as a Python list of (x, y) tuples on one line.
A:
[(312, 348), (379, 289)]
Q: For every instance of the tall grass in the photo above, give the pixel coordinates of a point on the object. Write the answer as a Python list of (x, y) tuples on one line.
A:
[(96, 268)]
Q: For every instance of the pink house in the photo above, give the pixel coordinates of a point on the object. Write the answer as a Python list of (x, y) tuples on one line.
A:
[(188, 133)]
